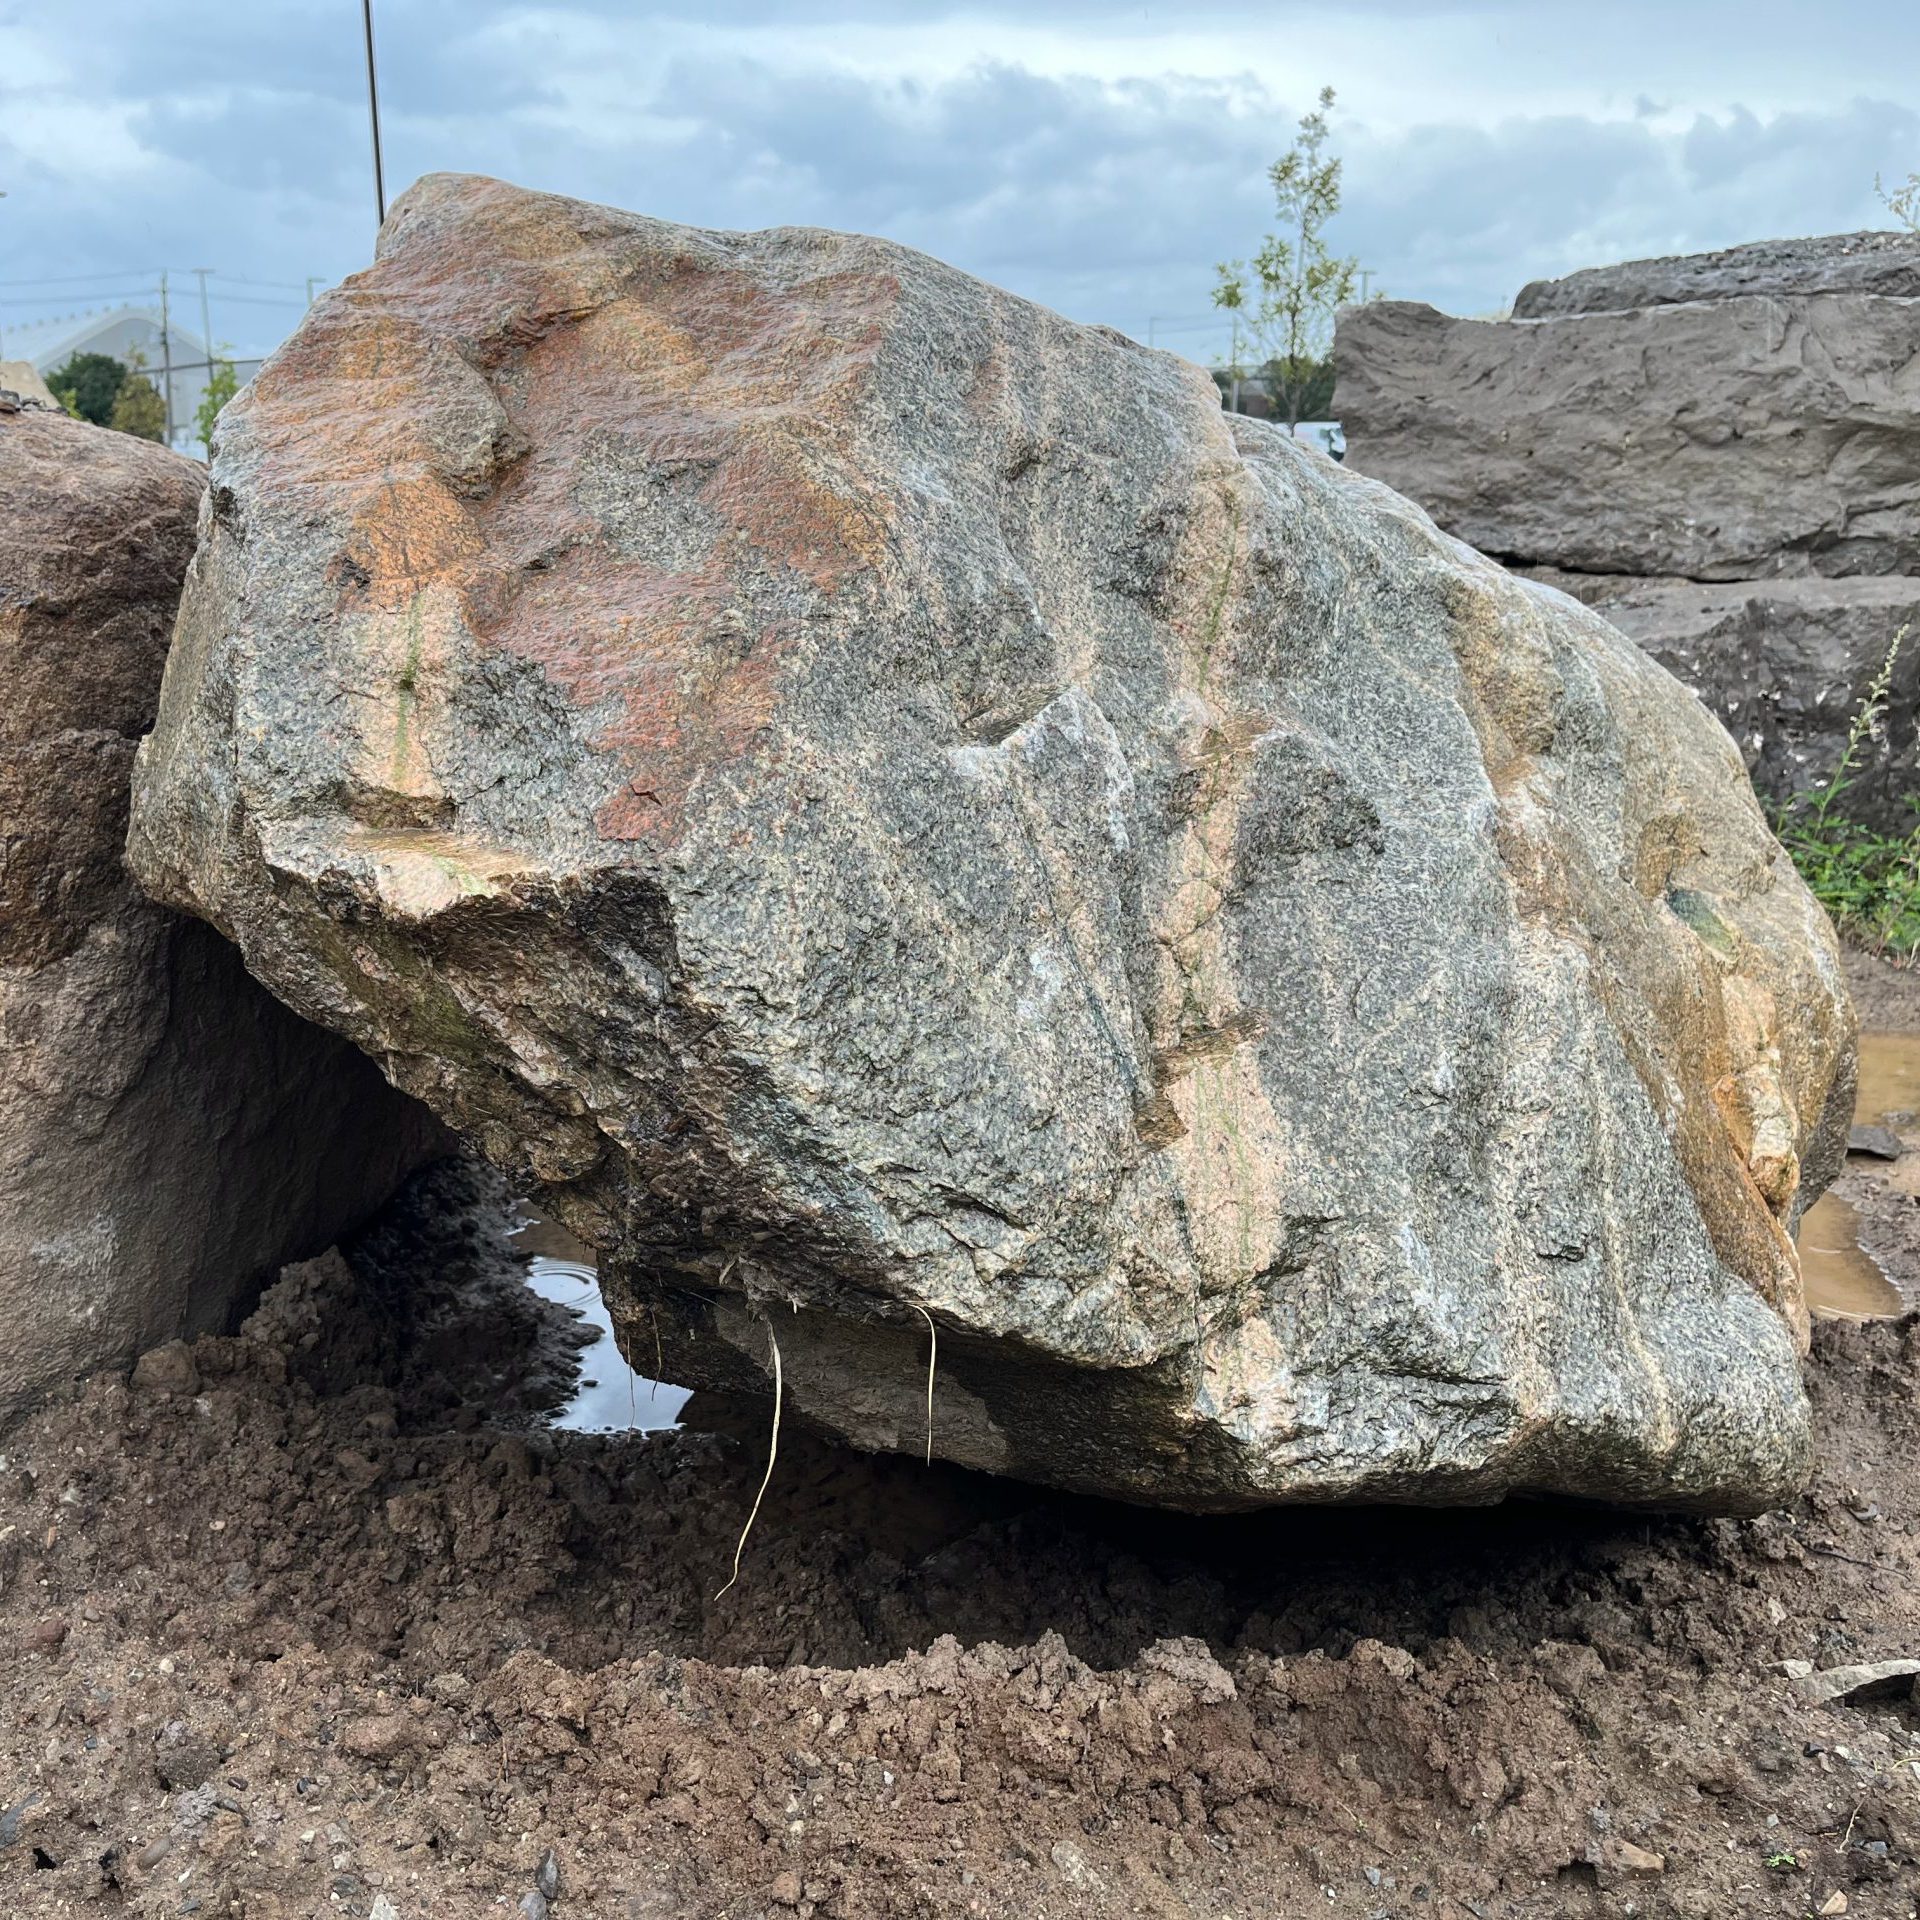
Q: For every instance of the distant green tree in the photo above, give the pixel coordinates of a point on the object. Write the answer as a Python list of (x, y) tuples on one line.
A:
[(1903, 202), (139, 410), (88, 385), (222, 384), (1286, 302)]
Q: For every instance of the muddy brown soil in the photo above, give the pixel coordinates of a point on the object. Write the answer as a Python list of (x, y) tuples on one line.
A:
[(1886, 995), (320, 1620)]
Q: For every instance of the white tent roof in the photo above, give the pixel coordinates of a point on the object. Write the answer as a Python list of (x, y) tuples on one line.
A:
[(49, 343)]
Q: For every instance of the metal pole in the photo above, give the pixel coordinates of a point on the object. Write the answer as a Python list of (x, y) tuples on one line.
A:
[(373, 114), (313, 280), (206, 315), (166, 363)]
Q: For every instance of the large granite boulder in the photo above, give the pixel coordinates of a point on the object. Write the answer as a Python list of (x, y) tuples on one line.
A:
[(169, 1133), (889, 807)]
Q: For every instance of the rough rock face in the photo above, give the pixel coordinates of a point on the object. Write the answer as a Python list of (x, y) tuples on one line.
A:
[(1784, 664), (168, 1132), (1720, 452), (1728, 440), (1880, 263), (891, 807)]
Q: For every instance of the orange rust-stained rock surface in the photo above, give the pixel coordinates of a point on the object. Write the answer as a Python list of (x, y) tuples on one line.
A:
[(888, 806)]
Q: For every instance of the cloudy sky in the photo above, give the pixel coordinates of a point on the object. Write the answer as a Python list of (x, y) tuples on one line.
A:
[(1097, 155)]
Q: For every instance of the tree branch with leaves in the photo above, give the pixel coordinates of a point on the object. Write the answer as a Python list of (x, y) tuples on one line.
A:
[(223, 382), (1902, 202), (1286, 300)]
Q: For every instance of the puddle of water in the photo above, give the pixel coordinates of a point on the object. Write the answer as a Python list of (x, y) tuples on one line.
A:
[(1890, 1097), (611, 1397), (1889, 1083), (1841, 1277)]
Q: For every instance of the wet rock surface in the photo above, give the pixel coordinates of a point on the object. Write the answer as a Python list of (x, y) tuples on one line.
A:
[(345, 1631), (1720, 452), (892, 813), (169, 1133)]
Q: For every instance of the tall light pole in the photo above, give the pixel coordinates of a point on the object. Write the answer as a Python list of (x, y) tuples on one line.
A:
[(373, 114), (206, 320), (166, 359)]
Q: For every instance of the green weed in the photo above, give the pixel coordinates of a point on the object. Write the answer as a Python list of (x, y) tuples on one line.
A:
[(1868, 879)]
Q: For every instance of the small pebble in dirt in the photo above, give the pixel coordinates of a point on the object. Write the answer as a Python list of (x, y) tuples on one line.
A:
[(546, 1876), (169, 1369), (533, 1906), (382, 1909), (1628, 1858), (786, 1889), (46, 1637)]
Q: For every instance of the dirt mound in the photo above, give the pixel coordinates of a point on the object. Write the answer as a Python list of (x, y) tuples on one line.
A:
[(1886, 996), (318, 1620)]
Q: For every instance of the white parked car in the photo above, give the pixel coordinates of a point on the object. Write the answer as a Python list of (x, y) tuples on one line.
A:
[(1326, 435)]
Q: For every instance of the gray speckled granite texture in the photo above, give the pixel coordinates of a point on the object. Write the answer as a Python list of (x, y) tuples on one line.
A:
[(880, 801)]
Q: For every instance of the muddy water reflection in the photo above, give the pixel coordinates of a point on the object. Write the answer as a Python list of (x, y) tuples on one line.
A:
[(611, 1397), (1889, 1083), (1842, 1278)]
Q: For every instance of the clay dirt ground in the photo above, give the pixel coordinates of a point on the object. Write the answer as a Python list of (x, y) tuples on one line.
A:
[(321, 1620)]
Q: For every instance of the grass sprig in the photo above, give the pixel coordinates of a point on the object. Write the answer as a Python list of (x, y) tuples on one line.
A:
[(1867, 878)]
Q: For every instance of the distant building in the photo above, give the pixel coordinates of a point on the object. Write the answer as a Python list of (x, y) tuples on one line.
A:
[(125, 333)]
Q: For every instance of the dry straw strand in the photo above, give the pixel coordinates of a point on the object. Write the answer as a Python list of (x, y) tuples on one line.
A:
[(773, 1453), (933, 1357)]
